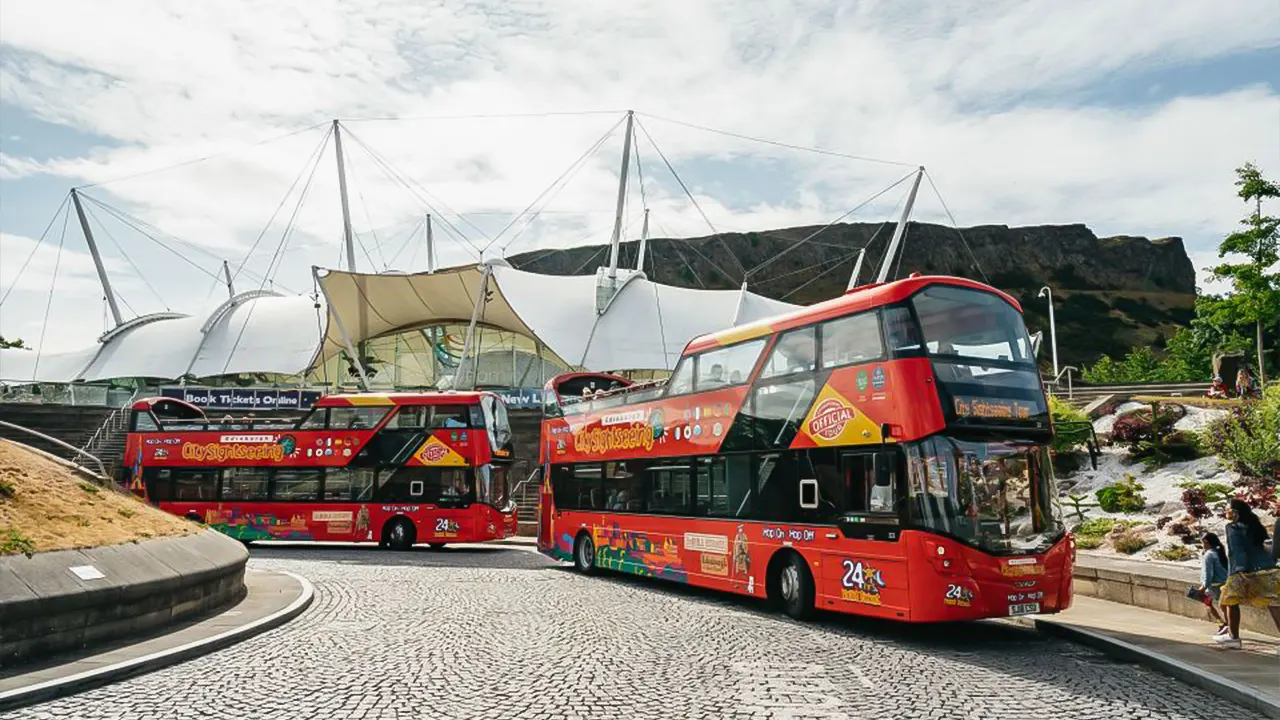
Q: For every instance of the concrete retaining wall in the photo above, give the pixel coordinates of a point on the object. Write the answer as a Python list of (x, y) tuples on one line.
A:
[(1154, 586), (47, 608)]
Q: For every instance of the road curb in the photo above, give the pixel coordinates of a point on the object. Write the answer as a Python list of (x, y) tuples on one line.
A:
[(72, 684), (1121, 650)]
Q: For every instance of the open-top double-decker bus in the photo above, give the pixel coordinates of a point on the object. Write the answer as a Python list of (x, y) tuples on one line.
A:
[(396, 469), (883, 453)]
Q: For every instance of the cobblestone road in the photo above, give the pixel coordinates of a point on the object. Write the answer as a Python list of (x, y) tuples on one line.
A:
[(501, 632)]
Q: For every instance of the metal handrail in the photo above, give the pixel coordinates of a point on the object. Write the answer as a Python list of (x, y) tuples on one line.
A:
[(520, 485), (108, 424), (1066, 370), (102, 469)]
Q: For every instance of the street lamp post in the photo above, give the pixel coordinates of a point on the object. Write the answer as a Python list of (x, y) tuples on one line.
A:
[(1045, 292)]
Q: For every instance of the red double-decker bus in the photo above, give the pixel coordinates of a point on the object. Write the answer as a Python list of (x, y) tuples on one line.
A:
[(395, 469), (883, 453)]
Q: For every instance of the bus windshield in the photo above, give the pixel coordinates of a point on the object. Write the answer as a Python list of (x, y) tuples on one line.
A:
[(965, 324), (997, 496)]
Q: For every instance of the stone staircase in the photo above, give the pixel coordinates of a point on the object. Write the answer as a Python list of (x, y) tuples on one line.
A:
[(73, 424)]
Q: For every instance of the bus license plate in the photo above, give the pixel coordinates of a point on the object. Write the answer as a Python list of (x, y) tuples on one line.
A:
[(1024, 609)]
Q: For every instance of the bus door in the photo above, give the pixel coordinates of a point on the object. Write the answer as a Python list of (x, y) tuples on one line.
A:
[(866, 566)]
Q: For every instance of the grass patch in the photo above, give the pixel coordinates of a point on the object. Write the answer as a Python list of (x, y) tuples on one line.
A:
[(7, 490), (13, 542), (1174, 553), (55, 508), (1131, 542), (1089, 542), (1098, 527)]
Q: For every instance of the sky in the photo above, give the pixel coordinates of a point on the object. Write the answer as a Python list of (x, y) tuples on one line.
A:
[(201, 132)]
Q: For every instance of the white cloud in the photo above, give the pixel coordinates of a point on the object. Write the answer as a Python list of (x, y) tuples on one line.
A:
[(978, 92)]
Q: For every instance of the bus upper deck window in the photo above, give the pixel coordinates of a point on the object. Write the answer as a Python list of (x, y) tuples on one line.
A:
[(449, 416), (315, 421), (143, 422), (901, 330)]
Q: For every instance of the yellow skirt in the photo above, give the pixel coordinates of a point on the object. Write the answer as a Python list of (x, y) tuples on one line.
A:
[(1260, 589)]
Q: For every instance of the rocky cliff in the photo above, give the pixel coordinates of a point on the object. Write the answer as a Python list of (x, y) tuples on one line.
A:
[(1111, 294)]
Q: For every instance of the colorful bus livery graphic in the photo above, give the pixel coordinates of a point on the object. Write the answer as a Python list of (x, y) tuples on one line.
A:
[(239, 447), (884, 453), (393, 469)]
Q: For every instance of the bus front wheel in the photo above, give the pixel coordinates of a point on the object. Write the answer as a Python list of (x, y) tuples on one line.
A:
[(400, 534), (792, 587), (584, 555)]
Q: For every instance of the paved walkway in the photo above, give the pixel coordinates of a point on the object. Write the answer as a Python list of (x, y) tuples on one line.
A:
[(1163, 637), (273, 598)]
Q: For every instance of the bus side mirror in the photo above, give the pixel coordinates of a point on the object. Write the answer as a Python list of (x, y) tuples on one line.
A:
[(809, 494)]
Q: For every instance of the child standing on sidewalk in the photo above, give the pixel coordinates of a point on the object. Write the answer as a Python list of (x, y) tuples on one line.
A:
[(1213, 573)]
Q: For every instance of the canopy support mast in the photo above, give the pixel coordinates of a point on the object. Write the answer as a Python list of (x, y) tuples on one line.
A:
[(471, 330), (857, 270), (347, 236), (644, 242), (97, 258), (901, 229), (226, 273), (622, 199), (342, 330), (431, 248)]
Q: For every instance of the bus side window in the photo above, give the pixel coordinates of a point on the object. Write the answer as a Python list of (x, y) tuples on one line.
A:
[(195, 484), (316, 420), (159, 482), (669, 487), (564, 487), (144, 422)]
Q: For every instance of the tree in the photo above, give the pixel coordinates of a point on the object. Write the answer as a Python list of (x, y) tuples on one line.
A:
[(13, 343), (1256, 282)]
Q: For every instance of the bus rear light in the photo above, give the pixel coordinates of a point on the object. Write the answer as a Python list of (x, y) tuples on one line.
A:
[(944, 563)]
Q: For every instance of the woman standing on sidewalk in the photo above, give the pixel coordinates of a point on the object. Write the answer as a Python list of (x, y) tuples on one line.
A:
[(1213, 573), (1252, 577)]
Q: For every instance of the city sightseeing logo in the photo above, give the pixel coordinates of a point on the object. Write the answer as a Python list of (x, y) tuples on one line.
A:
[(830, 418), (597, 441), (434, 452)]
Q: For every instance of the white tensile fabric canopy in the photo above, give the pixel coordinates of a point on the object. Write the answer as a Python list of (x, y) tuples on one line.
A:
[(644, 327), (254, 332)]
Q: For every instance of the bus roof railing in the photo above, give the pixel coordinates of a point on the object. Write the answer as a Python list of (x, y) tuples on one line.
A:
[(619, 392)]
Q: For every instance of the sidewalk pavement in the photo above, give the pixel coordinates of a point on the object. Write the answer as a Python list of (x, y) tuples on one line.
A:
[(1176, 646), (273, 599)]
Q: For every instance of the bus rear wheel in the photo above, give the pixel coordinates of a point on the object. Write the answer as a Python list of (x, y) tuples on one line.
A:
[(400, 534), (584, 555), (792, 588)]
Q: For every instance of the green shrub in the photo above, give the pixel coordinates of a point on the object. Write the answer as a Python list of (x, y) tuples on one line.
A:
[(1096, 527), (1123, 497), (126, 513), (1131, 542), (1249, 439), (1213, 492), (1174, 553), (13, 542), (7, 490), (1064, 413), (1089, 542), (90, 488)]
